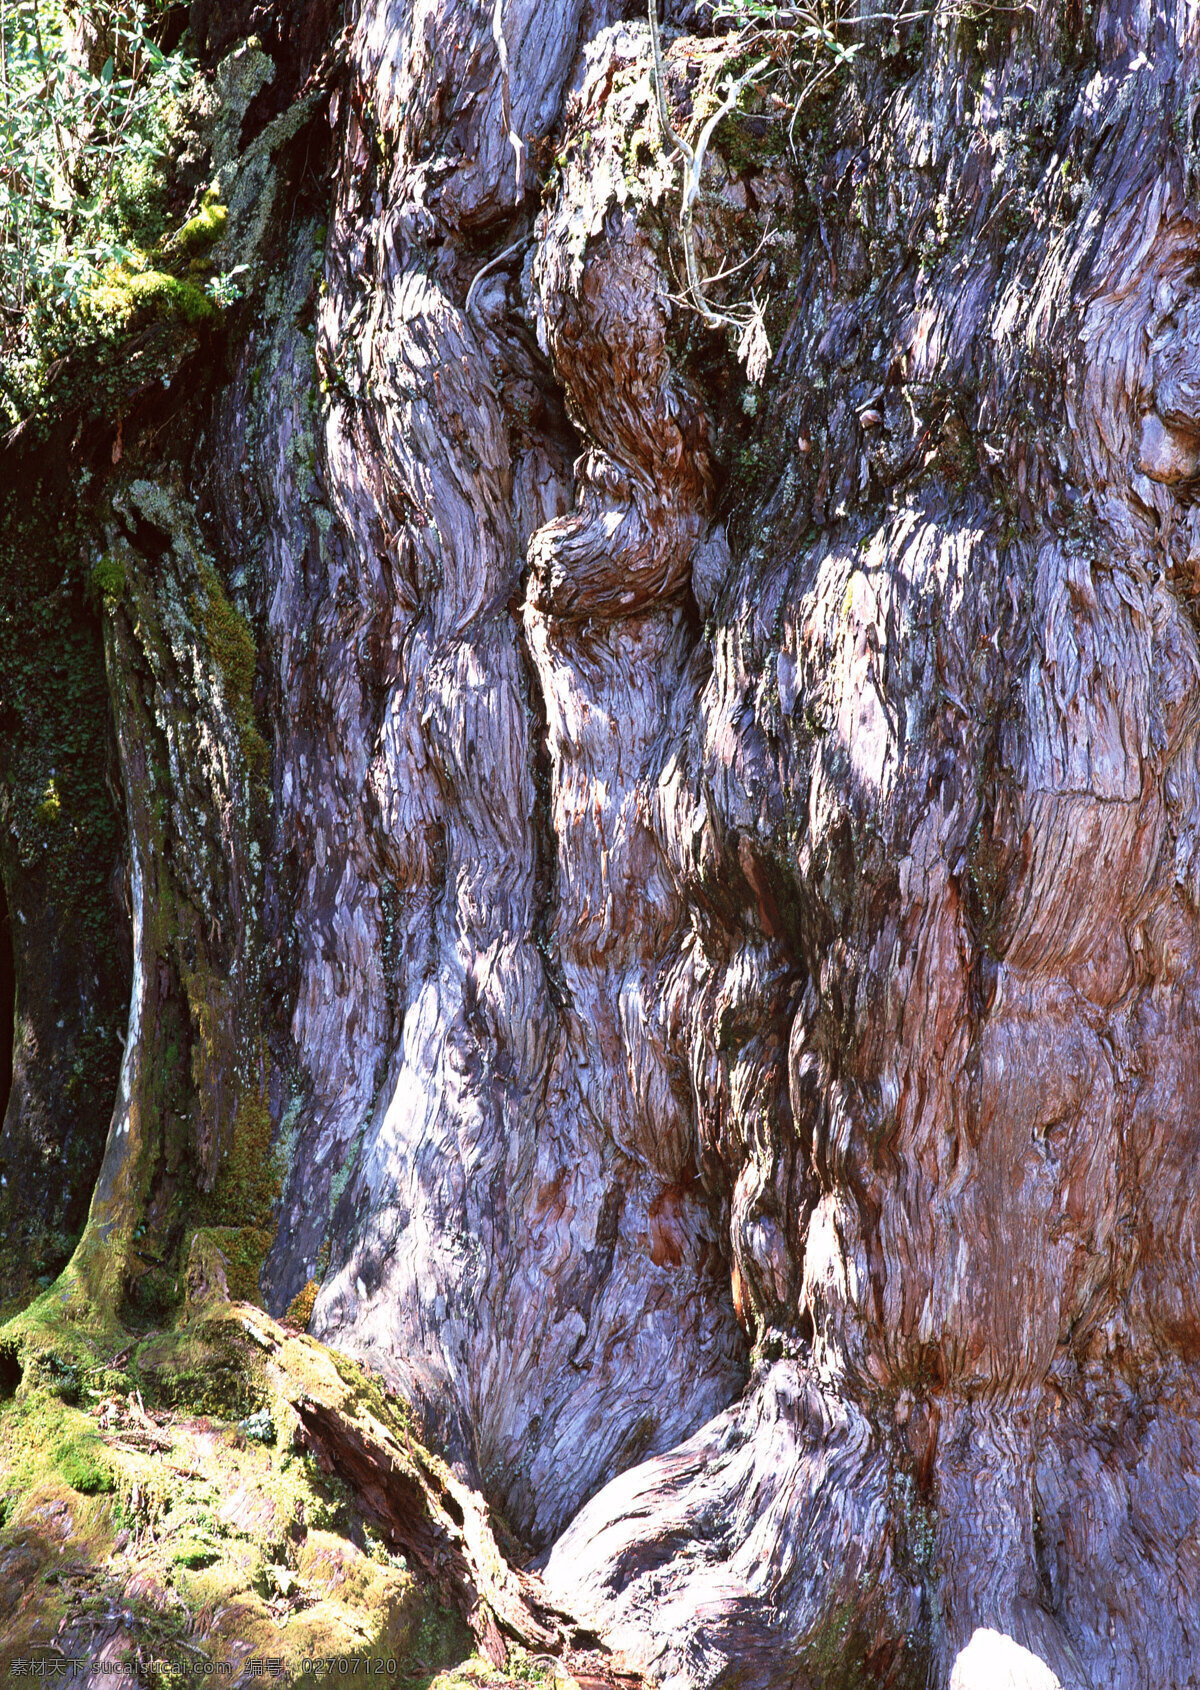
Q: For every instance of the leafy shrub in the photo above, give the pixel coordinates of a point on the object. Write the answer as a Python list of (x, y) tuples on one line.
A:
[(83, 188), (81, 182), (108, 578)]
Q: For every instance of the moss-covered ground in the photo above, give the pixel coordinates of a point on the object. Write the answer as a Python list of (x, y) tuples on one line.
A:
[(157, 1505)]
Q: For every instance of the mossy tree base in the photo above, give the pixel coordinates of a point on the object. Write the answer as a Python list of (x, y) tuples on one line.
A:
[(159, 1498)]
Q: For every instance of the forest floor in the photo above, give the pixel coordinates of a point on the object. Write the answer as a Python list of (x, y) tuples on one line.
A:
[(161, 1517)]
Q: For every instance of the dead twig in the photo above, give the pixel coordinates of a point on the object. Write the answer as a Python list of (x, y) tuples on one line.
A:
[(754, 348), (493, 264)]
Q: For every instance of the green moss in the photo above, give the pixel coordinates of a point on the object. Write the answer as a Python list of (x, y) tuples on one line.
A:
[(749, 141), (83, 1466), (247, 1184), (195, 1552), (369, 1392), (299, 1310), (108, 579), (208, 1368), (232, 645), (223, 1524), (155, 1293), (56, 1374), (242, 1251), (82, 360), (443, 1643), (62, 1339), (247, 1252), (203, 230), (124, 300), (49, 811)]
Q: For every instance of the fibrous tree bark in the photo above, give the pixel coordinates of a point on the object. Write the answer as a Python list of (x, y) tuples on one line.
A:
[(719, 960)]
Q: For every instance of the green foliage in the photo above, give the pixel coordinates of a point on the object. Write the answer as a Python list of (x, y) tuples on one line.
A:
[(808, 45), (81, 183), (84, 214), (816, 27)]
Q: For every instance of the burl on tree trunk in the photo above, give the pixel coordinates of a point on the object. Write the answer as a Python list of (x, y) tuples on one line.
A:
[(735, 852)]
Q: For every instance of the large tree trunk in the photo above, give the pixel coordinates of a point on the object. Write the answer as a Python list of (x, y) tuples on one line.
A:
[(718, 959)]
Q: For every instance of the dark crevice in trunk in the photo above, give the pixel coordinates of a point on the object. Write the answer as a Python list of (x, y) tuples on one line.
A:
[(545, 848)]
